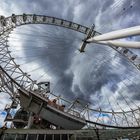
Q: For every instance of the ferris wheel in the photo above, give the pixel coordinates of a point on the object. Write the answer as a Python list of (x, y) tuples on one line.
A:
[(22, 88)]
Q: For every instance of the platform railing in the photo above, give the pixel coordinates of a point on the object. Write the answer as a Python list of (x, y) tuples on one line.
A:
[(90, 134)]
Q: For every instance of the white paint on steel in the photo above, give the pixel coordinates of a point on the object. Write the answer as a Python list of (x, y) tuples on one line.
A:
[(125, 44), (108, 38), (117, 34)]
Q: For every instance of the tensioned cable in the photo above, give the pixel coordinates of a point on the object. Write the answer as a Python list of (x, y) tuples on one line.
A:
[(97, 69), (47, 45), (44, 36), (117, 63), (123, 83), (47, 48), (51, 32)]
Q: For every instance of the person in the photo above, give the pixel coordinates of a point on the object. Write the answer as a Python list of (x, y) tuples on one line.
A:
[(62, 107), (46, 97), (4, 127), (37, 119), (54, 104), (54, 100)]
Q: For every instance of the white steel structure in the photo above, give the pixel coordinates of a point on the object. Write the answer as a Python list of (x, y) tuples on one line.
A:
[(14, 79)]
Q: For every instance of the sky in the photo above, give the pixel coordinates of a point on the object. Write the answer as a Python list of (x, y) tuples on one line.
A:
[(51, 53)]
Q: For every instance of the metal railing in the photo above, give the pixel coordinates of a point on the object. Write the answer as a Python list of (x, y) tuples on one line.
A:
[(90, 134)]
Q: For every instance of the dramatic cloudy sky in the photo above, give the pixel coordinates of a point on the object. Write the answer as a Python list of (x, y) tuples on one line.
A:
[(98, 76)]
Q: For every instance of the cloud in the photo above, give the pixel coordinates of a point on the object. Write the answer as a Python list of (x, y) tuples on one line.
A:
[(4, 99), (2, 117)]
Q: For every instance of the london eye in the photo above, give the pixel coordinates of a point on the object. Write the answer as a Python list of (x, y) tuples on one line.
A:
[(34, 92)]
